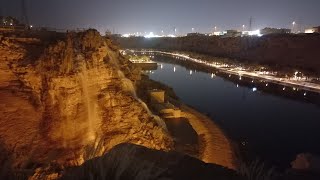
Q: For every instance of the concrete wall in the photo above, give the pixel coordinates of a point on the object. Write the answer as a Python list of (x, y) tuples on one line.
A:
[(170, 113), (157, 96)]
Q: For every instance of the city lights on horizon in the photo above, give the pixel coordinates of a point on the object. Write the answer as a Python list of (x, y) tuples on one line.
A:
[(241, 30), (162, 34), (214, 30)]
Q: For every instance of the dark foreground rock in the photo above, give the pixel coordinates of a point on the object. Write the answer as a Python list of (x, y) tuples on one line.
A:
[(305, 166), (128, 161)]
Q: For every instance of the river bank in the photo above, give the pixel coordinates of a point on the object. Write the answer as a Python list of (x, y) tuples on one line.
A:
[(281, 52), (214, 146), (277, 89), (308, 84)]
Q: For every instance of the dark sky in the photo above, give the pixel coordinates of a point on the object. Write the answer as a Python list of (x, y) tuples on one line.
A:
[(155, 15)]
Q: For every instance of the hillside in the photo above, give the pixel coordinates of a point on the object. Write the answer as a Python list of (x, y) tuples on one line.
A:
[(282, 52)]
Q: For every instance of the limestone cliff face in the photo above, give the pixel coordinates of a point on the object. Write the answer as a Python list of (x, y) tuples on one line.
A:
[(70, 102)]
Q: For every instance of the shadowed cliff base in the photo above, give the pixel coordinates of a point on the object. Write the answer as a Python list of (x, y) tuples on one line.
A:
[(127, 161)]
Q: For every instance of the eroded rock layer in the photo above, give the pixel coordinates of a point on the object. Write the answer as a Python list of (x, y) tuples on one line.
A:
[(69, 100)]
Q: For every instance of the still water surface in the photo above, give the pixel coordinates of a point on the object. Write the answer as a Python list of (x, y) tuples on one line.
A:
[(274, 128)]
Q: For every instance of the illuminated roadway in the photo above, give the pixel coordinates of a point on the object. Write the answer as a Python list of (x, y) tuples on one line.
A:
[(242, 72)]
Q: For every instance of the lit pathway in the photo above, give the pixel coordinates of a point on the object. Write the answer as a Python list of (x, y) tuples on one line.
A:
[(215, 147), (283, 81)]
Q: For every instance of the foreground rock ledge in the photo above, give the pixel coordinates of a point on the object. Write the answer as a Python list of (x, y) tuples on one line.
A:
[(128, 161)]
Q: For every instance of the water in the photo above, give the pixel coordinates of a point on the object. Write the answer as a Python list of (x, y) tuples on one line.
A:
[(128, 86), (272, 127), (93, 117)]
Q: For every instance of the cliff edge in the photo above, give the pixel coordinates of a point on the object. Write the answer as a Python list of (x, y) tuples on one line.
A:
[(67, 100)]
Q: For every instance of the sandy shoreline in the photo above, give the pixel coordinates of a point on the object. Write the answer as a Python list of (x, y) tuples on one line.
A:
[(215, 147)]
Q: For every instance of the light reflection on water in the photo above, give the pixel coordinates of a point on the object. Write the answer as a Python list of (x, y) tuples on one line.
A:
[(276, 128)]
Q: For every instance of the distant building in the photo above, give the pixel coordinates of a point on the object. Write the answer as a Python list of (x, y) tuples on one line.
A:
[(268, 30), (195, 34), (232, 33), (115, 35), (11, 23), (227, 33), (218, 33), (313, 30), (251, 33)]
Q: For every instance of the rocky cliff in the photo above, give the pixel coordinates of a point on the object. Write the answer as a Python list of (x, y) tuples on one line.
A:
[(299, 52), (67, 100)]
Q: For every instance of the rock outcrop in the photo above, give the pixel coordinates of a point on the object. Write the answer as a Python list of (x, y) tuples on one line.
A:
[(69, 100), (306, 162), (128, 161)]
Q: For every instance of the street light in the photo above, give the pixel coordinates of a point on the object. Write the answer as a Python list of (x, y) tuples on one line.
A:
[(243, 27), (293, 24), (192, 29)]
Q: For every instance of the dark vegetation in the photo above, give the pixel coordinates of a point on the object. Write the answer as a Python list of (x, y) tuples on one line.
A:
[(283, 52)]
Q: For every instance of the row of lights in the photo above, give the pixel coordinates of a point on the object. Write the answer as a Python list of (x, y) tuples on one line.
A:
[(267, 84), (222, 65), (11, 24), (254, 89)]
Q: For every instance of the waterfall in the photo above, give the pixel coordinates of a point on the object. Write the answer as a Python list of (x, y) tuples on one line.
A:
[(89, 93), (128, 87)]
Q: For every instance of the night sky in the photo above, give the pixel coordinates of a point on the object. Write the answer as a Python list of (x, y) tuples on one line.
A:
[(129, 16)]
